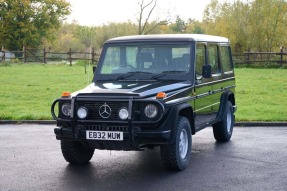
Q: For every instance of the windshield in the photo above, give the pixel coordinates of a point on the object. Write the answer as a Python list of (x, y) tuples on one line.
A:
[(146, 59)]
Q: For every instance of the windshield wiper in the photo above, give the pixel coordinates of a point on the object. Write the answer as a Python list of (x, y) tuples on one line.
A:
[(164, 73), (157, 76), (130, 74), (121, 77), (173, 71), (139, 72)]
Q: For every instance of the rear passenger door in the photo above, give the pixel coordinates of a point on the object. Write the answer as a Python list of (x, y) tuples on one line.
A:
[(224, 79), (216, 77)]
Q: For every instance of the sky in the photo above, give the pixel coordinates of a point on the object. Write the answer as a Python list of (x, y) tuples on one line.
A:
[(99, 12)]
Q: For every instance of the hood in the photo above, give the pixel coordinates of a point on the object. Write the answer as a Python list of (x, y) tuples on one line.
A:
[(131, 88)]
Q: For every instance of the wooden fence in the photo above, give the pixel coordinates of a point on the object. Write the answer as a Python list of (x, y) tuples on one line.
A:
[(262, 57), (44, 55)]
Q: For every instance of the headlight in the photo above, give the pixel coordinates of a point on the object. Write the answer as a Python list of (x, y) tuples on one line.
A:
[(123, 113), (66, 109), (151, 111), (82, 112)]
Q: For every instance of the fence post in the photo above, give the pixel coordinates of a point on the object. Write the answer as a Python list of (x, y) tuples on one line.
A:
[(247, 56), (44, 54), (281, 56), (93, 55), (3, 56), (70, 56), (24, 53), (2, 50)]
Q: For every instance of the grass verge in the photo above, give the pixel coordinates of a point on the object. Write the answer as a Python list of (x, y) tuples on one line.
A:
[(28, 90), (261, 94)]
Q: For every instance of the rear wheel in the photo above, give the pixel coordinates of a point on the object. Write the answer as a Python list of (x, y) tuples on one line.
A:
[(176, 156), (222, 130), (75, 152)]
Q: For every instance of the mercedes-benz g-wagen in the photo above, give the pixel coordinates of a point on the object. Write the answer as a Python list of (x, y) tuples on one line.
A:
[(147, 91)]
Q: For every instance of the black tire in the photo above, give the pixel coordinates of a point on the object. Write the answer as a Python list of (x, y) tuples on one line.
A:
[(222, 130), (75, 152), (176, 156)]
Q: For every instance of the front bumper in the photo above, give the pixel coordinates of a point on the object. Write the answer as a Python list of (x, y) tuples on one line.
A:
[(130, 142), (137, 130)]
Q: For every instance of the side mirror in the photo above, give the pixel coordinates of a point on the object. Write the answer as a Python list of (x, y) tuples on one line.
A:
[(94, 68), (206, 71)]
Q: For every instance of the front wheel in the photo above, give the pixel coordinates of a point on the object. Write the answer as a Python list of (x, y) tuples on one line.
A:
[(222, 130), (75, 152), (176, 156)]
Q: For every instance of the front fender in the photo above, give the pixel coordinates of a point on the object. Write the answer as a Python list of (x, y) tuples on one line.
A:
[(171, 121)]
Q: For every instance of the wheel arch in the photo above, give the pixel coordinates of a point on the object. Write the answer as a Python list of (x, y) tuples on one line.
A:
[(185, 110), (188, 113), (225, 97)]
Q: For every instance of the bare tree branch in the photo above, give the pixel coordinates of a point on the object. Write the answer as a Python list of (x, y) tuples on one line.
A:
[(149, 14), (142, 25), (155, 26)]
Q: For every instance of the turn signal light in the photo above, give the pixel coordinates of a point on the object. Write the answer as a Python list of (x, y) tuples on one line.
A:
[(66, 94), (160, 95)]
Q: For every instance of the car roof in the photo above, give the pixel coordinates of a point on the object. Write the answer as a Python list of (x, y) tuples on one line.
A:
[(170, 37)]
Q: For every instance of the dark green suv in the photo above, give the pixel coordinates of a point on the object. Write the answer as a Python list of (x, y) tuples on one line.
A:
[(147, 91)]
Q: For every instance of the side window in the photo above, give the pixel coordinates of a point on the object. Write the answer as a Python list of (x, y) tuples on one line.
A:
[(213, 58), (225, 59), (200, 59)]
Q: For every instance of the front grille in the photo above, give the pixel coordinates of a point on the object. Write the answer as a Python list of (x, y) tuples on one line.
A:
[(94, 108), (105, 128)]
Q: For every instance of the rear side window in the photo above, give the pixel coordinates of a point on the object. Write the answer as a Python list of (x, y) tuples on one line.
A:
[(225, 59), (200, 59), (213, 58)]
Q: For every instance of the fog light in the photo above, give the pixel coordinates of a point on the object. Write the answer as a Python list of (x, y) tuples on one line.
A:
[(82, 112), (66, 109), (123, 113), (151, 111)]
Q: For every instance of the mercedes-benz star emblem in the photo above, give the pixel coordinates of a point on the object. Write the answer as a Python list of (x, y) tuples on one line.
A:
[(105, 111)]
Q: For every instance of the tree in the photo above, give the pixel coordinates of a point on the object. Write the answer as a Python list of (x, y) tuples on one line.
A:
[(112, 30), (67, 38), (258, 25), (143, 20), (194, 26), (30, 22), (268, 20), (86, 34), (179, 26), (239, 13)]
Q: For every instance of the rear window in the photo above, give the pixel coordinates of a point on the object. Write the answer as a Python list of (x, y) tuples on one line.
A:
[(225, 59), (213, 58)]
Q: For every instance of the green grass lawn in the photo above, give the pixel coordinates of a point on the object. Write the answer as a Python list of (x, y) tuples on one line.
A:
[(28, 90), (261, 94)]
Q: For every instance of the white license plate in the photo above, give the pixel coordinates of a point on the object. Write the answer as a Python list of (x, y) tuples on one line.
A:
[(105, 135)]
